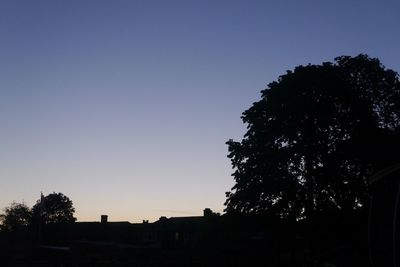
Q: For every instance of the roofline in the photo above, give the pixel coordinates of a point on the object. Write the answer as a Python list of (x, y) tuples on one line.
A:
[(384, 172)]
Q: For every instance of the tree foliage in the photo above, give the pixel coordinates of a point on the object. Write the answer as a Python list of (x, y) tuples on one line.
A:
[(314, 137), (54, 208), (15, 216)]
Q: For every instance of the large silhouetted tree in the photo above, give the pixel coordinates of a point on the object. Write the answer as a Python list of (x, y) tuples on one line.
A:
[(54, 208), (314, 137)]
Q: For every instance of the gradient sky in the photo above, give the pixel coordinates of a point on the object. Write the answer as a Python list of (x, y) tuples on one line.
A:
[(125, 106)]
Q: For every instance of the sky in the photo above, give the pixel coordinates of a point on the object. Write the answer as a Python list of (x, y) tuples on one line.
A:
[(125, 106)]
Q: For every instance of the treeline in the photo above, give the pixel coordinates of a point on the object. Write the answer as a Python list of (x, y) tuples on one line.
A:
[(53, 208)]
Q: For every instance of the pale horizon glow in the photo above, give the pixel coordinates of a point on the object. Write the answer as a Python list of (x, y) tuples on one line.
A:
[(125, 106)]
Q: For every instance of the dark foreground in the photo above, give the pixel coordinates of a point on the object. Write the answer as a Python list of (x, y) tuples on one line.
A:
[(193, 241)]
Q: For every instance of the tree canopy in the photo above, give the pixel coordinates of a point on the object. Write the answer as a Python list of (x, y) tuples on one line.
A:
[(54, 208), (15, 216), (314, 137)]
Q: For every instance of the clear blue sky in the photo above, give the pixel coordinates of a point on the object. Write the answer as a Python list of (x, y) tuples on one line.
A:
[(125, 106)]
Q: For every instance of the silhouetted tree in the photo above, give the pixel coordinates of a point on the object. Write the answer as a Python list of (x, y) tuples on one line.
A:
[(314, 138), (15, 216), (54, 208)]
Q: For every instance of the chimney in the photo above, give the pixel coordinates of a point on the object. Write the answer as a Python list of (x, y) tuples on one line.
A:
[(104, 218), (207, 212)]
